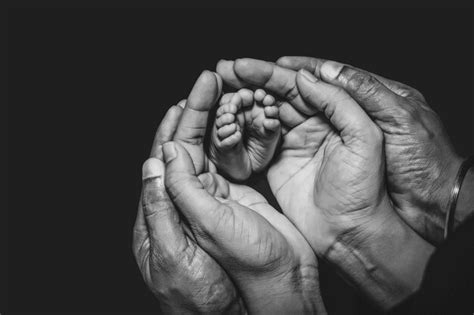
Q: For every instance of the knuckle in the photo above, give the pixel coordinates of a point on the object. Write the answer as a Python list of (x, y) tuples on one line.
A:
[(410, 113), (141, 251), (405, 115), (163, 209), (165, 258)]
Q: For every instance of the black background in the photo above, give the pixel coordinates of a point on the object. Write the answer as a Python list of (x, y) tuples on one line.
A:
[(88, 87)]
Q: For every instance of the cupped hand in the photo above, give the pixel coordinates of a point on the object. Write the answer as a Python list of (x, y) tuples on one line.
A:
[(183, 277), (328, 175), (264, 254), (329, 180), (421, 161), (181, 260)]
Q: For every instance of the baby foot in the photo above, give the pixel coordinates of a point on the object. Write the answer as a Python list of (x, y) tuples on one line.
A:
[(263, 130), (245, 134), (227, 149)]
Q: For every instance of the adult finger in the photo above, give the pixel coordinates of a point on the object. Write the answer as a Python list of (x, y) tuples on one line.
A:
[(192, 126), (161, 218), (269, 76), (297, 63), (343, 112), (166, 129), (382, 104), (186, 190), (313, 65), (289, 116), (225, 68)]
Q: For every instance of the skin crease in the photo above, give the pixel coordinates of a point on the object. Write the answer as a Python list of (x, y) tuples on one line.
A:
[(329, 180), (318, 146), (255, 244), (183, 277), (244, 142), (421, 161), (244, 228)]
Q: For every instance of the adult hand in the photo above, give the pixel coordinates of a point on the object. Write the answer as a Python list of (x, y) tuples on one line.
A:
[(421, 162), (329, 180), (192, 126), (297, 289), (183, 277), (264, 254)]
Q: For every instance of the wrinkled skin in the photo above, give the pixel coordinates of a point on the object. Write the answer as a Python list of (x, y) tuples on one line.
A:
[(257, 246), (225, 223), (421, 161), (327, 181), (183, 277)]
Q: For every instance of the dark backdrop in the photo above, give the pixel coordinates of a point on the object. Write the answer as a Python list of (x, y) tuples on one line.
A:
[(87, 89)]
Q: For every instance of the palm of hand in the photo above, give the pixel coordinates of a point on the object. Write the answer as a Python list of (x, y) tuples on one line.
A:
[(322, 183), (254, 232), (256, 243)]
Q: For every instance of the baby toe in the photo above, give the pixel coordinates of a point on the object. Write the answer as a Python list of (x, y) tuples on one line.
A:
[(259, 95), (271, 111), (226, 131), (246, 96), (232, 140), (225, 119), (268, 100), (271, 124), (226, 98), (226, 108)]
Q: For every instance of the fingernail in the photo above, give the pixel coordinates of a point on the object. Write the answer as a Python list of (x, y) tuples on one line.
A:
[(182, 103), (152, 168), (331, 69), (308, 76), (169, 151)]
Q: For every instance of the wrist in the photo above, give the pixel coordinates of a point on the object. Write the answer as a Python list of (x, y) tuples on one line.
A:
[(178, 300), (295, 291), (234, 307), (436, 202), (442, 193), (383, 257)]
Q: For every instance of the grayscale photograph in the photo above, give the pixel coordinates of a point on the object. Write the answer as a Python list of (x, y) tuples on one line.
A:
[(239, 161)]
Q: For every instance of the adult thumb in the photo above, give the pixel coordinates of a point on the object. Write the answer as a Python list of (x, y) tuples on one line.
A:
[(347, 117), (185, 189)]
